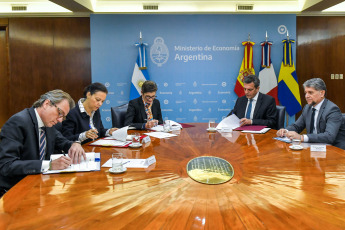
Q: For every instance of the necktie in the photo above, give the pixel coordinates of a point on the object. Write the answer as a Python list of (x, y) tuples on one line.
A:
[(312, 121), (249, 109), (42, 143), (148, 111)]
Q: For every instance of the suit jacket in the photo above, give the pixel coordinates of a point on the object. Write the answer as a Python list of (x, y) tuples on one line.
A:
[(77, 122), (265, 112), (136, 114), (328, 124), (19, 150)]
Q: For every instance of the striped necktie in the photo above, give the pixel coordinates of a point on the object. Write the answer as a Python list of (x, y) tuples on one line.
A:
[(43, 143)]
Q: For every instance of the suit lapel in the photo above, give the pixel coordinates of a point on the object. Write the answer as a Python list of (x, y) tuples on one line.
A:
[(142, 109), (35, 124), (322, 109), (258, 105)]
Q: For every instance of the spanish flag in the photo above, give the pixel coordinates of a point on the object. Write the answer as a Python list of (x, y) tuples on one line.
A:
[(247, 67), (288, 89)]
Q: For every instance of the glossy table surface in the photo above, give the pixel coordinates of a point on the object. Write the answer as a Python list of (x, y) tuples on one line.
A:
[(273, 188)]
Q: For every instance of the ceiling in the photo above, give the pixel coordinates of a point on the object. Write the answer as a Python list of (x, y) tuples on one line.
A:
[(17, 8)]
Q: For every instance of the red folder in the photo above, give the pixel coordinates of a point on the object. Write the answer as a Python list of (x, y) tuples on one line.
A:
[(251, 128)]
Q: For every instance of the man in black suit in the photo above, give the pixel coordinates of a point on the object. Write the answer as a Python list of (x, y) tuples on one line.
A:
[(144, 112), (255, 108), (28, 140)]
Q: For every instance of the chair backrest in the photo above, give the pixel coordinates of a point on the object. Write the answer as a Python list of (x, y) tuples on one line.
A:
[(280, 116), (118, 114)]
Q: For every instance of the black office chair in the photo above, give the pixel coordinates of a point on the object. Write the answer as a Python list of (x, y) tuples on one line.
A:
[(118, 115), (280, 117)]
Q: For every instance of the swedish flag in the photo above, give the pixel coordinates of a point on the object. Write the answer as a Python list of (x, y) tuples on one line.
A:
[(288, 89)]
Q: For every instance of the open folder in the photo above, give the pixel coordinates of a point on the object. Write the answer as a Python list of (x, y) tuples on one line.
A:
[(91, 163)]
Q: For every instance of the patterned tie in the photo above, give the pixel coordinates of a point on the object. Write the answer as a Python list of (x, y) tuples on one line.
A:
[(312, 121), (249, 109), (148, 111), (43, 143)]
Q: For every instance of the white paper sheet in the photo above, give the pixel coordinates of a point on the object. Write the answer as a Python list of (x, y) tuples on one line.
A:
[(120, 134), (110, 142), (92, 163), (231, 122), (161, 135), (133, 163)]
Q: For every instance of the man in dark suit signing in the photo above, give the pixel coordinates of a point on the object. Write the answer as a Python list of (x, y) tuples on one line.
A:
[(144, 112), (321, 118), (255, 108), (28, 140)]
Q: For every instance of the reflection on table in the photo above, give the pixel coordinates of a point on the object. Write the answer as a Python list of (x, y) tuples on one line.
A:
[(273, 187)]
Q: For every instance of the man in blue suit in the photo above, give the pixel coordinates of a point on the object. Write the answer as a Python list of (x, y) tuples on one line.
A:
[(255, 108), (28, 140), (321, 117)]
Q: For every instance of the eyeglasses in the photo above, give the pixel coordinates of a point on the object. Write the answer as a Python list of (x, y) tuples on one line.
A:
[(61, 113), (148, 97)]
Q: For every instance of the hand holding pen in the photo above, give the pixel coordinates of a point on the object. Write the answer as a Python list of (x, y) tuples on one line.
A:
[(151, 123), (92, 134)]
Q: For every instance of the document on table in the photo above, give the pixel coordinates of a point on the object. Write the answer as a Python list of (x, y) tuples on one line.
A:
[(120, 134), (264, 130), (110, 143), (133, 163), (161, 135), (92, 163), (231, 122)]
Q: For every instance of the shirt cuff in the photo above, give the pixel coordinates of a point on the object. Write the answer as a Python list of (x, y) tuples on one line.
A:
[(82, 137), (306, 139), (143, 127), (107, 133), (45, 166)]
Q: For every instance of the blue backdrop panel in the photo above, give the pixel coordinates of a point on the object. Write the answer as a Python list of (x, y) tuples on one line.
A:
[(194, 59)]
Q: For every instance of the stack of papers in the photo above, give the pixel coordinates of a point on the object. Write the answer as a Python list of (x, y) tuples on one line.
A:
[(92, 163)]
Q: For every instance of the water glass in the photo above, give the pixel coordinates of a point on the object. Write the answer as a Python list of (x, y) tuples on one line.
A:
[(296, 142), (166, 126), (211, 124), (117, 162), (136, 139)]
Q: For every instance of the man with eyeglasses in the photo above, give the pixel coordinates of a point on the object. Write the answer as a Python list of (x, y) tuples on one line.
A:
[(144, 112), (28, 139)]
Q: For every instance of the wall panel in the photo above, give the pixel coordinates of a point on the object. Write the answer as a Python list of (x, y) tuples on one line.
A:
[(320, 53), (46, 54)]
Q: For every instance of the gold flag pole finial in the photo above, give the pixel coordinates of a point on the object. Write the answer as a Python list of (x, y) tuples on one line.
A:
[(287, 35), (266, 36), (248, 37)]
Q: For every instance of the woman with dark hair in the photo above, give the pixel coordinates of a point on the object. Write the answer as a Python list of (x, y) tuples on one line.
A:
[(83, 123)]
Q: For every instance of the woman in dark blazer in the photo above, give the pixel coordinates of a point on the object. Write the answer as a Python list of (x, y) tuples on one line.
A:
[(83, 123)]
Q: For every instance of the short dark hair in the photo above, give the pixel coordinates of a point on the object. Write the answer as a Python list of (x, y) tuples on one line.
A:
[(149, 87), (94, 88), (252, 78), (316, 83), (55, 96)]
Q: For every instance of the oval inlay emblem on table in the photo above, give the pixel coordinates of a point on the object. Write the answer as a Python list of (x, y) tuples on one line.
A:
[(210, 170)]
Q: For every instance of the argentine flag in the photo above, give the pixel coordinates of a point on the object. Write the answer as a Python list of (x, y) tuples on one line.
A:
[(140, 74)]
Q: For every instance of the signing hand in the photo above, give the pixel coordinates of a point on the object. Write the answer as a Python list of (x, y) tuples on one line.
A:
[(76, 152), (92, 134), (60, 163), (151, 124)]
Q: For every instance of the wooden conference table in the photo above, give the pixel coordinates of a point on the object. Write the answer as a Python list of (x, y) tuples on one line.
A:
[(273, 188)]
